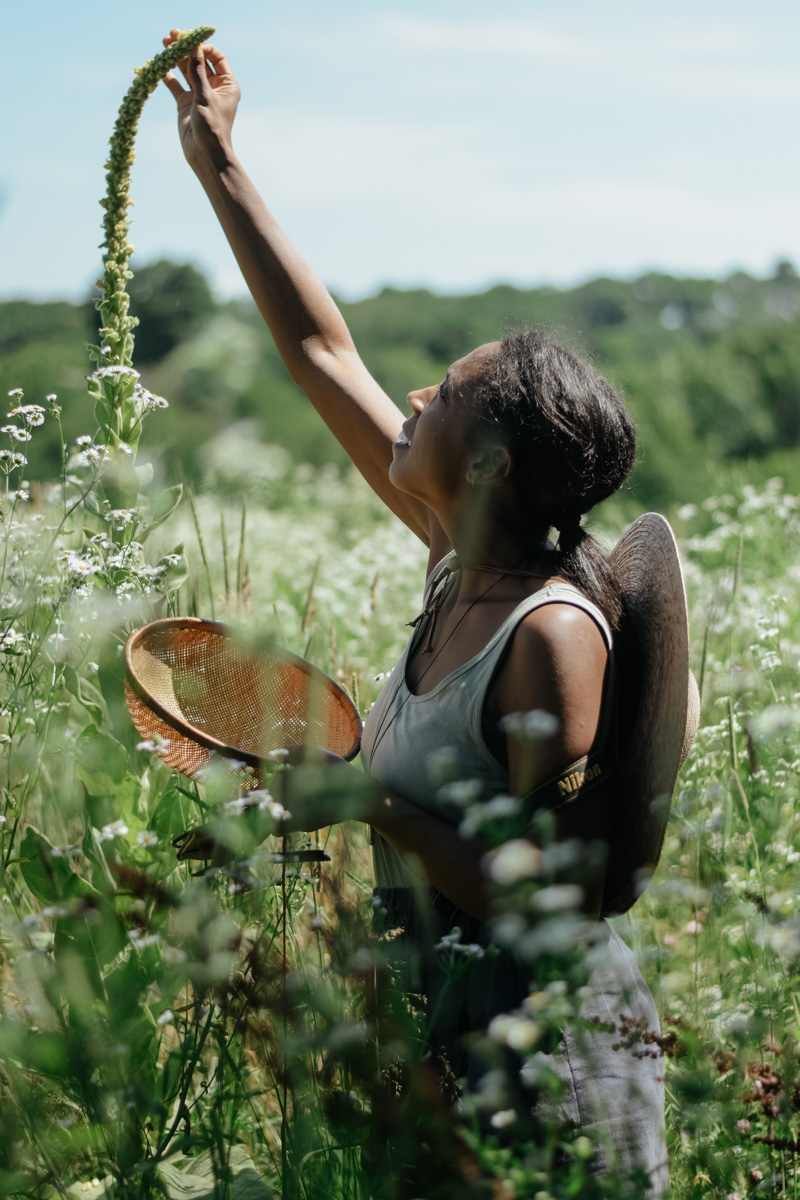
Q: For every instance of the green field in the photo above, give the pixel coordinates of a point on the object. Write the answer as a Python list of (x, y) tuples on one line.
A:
[(160, 1033)]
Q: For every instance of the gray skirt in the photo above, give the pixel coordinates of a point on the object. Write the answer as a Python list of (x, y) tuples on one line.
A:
[(612, 1086)]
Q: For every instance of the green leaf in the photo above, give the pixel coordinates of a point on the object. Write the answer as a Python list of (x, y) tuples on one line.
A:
[(144, 474), (47, 1052), (171, 814), (178, 574), (166, 504), (105, 771), (88, 694), (49, 876), (90, 503)]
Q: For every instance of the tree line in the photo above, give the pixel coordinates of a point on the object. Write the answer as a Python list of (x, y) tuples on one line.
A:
[(710, 368)]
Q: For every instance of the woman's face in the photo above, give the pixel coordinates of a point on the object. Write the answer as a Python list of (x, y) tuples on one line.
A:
[(440, 442)]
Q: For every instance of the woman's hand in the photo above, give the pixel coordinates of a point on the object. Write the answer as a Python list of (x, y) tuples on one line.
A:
[(322, 789), (207, 110)]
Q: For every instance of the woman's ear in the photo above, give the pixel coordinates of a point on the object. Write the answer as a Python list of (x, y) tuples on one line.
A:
[(490, 467)]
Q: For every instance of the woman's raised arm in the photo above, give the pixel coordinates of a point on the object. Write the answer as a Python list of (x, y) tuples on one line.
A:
[(309, 331)]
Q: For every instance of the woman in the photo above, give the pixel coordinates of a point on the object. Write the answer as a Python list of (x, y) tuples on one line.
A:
[(519, 438)]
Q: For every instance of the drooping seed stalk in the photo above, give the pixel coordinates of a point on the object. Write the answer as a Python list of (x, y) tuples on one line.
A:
[(119, 401), (117, 330)]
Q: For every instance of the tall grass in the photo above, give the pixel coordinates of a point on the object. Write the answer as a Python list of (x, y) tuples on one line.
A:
[(159, 1027)]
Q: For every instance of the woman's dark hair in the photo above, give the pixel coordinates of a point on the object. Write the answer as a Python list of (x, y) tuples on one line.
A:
[(572, 444)]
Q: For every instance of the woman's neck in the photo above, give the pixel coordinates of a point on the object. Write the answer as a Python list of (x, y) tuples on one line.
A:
[(485, 557)]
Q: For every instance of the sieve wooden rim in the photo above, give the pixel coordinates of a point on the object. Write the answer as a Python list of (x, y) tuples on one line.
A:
[(191, 732)]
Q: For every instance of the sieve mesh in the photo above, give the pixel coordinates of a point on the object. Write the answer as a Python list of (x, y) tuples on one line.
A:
[(192, 684)]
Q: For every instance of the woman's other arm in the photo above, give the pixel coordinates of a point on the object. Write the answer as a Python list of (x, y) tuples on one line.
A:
[(309, 331)]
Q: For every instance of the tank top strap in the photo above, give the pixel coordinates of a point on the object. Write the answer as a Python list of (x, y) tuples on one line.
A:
[(554, 593), (567, 593), (483, 668)]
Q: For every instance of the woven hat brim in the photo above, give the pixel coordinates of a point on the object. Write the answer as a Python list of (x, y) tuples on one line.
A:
[(659, 723)]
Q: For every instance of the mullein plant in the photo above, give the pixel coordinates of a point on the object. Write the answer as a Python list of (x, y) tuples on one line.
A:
[(120, 400)]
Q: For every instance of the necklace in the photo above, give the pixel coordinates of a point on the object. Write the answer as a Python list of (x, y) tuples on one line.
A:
[(473, 566), (431, 610)]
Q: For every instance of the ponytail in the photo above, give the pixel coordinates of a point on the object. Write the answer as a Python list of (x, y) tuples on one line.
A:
[(580, 559)]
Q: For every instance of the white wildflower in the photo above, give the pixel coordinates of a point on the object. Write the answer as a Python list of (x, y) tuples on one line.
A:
[(15, 433), (166, 1016), (530, 726), (10, 638), (143, 940), (240, 805), (517, 859), (173, 955), (557, 897), (32, 414), (115, 372), (147, 838), (118, 518), (506, 1116), (518, 1033), (113, 830)]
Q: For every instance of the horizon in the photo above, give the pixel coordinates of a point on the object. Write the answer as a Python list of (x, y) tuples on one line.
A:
[(544, 285)]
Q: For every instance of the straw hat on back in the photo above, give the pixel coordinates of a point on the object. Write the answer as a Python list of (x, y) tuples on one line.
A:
[(658, 705)]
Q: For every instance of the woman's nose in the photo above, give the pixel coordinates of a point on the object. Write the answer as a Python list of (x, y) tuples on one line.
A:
[(418, 400)]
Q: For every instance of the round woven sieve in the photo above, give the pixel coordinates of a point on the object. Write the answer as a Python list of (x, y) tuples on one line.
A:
[(195, 686)]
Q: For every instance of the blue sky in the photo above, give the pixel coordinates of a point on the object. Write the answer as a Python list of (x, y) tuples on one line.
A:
[(447, 144)]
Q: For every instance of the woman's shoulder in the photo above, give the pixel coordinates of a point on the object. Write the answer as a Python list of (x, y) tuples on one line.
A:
[(556, 662), (563, 634), (558, 609)]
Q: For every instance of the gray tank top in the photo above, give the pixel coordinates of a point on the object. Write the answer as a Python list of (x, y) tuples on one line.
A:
[(410, 743)]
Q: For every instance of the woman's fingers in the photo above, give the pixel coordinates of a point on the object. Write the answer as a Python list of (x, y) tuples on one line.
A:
[(217, 61), (174, 86), (198, 74)]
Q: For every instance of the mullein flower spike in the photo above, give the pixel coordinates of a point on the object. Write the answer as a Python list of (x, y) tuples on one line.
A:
[(117, 325), (119, 405)]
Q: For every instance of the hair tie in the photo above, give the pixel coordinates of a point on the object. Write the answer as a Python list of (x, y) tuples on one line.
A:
[(568, 526)]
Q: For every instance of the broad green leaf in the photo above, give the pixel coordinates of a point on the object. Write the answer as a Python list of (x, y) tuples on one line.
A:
[(47, 1052), (88, 694), (90, 503), (104, 769), (166, 504), (144, 474), (48, 875), (170, 815)]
